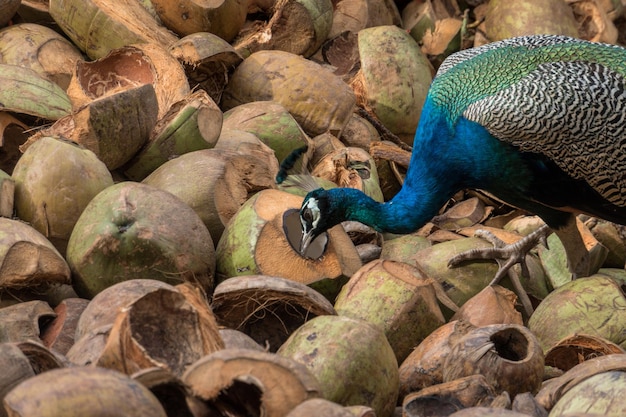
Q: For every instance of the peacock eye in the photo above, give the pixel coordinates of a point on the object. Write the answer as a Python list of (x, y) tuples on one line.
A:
[(307, 216)]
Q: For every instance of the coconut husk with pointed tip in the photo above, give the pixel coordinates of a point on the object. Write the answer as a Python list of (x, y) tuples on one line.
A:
[(233, 380), (99, 26), (493, 305), (267, 308), (296, 26)]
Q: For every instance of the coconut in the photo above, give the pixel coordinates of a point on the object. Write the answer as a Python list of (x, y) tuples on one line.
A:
[(133, 229)]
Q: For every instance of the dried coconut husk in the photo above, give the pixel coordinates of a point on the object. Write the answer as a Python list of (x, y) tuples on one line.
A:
[(208, 61), (235, 380), (192, 124), (28, 259), (555, 388), (99, 26), (448, 397), (320, 407), (390, 61), (8, 10), (359, 133), (578, 348), (21, 322), (272, 123), (256, 243), (234, 339), (595, 24), (398, 298), (493, 305), (71, 391), (15, 368), (351, 359), (296, 26), (13, 133), (508, 355), (403, 248), (187, 332), (609, 236), (351, 168), (223, 18), (488, 412), (324, 145), (354, 15), (267, 308), (35, 11), (463, 214), (40, 49), (59, 333), (323, 103), (424, 365)]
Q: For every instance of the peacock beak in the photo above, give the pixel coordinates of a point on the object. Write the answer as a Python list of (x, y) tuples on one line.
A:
[(307, 238)]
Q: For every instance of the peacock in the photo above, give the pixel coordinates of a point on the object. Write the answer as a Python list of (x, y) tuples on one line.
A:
[(538, 122)]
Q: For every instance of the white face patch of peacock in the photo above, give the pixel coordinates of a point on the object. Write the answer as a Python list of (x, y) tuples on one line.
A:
[(310, 215)]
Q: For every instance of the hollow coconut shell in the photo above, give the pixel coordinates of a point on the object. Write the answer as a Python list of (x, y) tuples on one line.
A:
[(390, 61), (255, 243), (28, 259), (41, 49), (354, 15), (98, 26), (80, 391), (578, 348), (505, 19), (55, 180), (133, 229), (396, 297), (21, 322), (249, 379), (508, 355), (351, 359), (59, 334), (323, 103)]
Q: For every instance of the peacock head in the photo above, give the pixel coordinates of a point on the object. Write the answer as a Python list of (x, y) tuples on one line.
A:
[(317, 214)]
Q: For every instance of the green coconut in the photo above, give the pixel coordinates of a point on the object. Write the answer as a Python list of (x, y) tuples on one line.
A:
[(134, 230)]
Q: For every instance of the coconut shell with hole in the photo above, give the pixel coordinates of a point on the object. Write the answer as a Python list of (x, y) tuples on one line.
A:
[(132, 229), (236, 380), (262, 237), (396, 297), (186, 332), (351, 359), (55, 180), (390, 61), (28, 259), (13, 133), (98, 26), (323, 103), (41, 49), (267, 308), (21, 322), (296, 26), (508, 355), (81, 391), (593, 305)]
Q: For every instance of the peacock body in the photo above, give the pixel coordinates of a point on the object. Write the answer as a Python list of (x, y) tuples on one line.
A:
[(538, 121)]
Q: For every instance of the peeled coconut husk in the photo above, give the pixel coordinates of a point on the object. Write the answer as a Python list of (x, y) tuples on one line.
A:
[(556, 388), (28, 259), (267, 308), (46, 51), (323, 103), (354, 15), (493, 305), (296, 26), (390, 57), (352, 168), (191, 124), (423, 367), (398, 298), (99, 26), (271, 122), (592, 305), (223, 18), (59, 333), (21, 322), (71, 392), (351, 359), (505, 19), (469, 391), (208, 61), (508, 355), (236, 380), (13, 133), (578, 348), (133, 229), (25, 91), (55, 180), (187, 332), (262, 237)]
